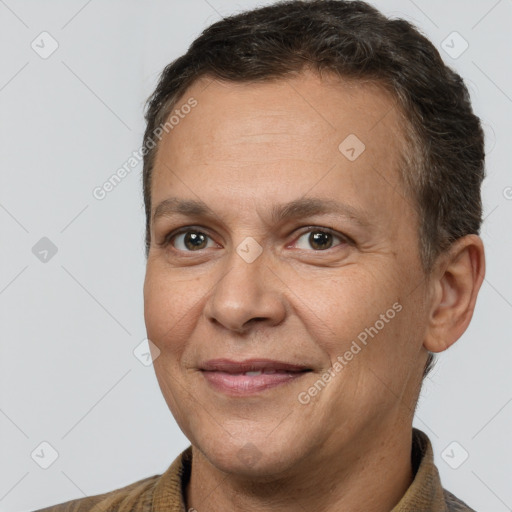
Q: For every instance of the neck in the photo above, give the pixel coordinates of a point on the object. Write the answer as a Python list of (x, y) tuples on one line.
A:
[(355, 479)]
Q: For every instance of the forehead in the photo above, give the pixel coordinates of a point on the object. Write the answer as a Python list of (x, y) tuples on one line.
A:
[(284, 137), (306, 105)]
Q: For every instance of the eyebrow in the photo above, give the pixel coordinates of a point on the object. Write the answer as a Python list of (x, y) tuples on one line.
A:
[(298, 208)]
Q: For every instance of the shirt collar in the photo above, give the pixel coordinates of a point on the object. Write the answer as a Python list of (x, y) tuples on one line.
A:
[(425, 492)]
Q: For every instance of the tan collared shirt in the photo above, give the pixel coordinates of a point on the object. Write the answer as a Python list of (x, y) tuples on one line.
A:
[(165, 493)]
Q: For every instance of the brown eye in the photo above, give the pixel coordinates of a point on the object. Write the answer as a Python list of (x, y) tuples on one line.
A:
[(318, 239), (190, 241)]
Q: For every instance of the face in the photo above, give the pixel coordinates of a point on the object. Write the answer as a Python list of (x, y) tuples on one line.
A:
[(301, 247)]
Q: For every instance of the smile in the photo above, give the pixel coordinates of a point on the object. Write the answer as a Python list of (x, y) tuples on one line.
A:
[(250, 382)]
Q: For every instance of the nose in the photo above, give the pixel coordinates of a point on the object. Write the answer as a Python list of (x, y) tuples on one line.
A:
[(249, 292)]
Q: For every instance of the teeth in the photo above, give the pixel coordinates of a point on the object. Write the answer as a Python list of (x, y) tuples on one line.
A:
[(255, 373), (259, 372)]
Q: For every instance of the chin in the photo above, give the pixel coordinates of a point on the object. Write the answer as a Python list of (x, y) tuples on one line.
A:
[(257, 457)]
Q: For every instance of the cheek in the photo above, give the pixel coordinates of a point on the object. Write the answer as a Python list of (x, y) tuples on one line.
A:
[(343, 305), (365, 318), (168, 307)]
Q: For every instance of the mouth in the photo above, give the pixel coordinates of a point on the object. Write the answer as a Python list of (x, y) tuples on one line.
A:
[(242, 378)]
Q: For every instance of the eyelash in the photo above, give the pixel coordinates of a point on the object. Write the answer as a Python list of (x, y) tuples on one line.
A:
[(310, 229)]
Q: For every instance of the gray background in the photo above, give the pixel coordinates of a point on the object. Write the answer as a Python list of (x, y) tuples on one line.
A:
[(70, 324)]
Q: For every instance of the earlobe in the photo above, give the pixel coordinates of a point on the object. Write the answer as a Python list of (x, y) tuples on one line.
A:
[(460, 273)]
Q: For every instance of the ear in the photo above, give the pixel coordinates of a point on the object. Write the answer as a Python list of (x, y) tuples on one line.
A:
[(455, 283)]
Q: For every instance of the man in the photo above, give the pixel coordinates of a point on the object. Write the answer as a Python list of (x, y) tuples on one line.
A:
[(312, 184)]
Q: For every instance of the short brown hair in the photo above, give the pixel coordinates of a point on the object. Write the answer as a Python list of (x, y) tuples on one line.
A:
[(444, 165)]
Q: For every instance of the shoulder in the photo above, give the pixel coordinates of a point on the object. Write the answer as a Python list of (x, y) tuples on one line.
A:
[(135, 497), (453, 504), (152, 493)]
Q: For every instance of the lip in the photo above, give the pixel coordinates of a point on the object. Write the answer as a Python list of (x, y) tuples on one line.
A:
[(250, 365), (228, 376)]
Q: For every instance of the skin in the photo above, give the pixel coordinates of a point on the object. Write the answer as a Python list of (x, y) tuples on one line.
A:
[(242, 150)]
